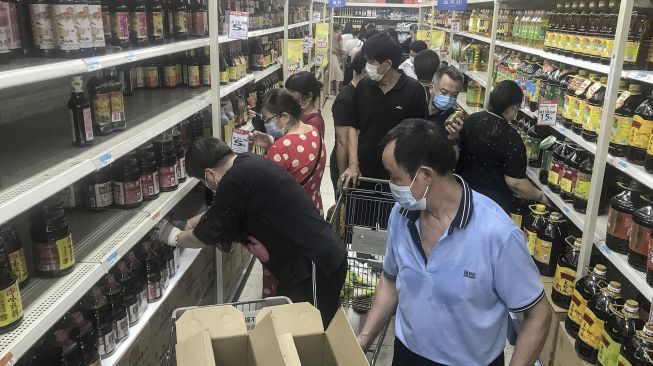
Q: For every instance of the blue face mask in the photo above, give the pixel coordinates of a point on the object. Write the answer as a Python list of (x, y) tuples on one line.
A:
[(404, 197), (443, 102), (272, 129)]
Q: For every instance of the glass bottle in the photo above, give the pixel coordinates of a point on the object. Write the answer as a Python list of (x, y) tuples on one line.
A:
[(180, 18), (66, 44), (155, 21), (120, 24), (11, 314), (80, 114), (127, 190), (83, 332), (99, 29), (130, 293), (53, 252), (116, 300), (15, 254), (140, 280), (41, 28), (83, 28), (98, 310), (138, 18)]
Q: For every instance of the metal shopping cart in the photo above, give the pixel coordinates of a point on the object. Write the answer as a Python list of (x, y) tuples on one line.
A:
[(249, 309), (360, 218)]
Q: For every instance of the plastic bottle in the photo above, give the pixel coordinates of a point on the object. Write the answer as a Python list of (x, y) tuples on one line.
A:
[(570, 172), (151, 76), (549, 244), (113, 292), (149, 176), (581, 102), (140, 279), (153, 271), (64, 351), (547, 146), (625, 108), (11, 313), (565, 274), (15, 254), (127, 189), (555, 167), (101, 99), (596, 314), (80, 114), (155, 21), (620, 217), (640, 132), (621, 325), (98, 311), (533, 223), (83, 332), (53, 252), (180, 19), (593, 109), (570, 98), (138, 30), (635, 350), (168, 167), (130, 293), (584, 289), (114, 87), (582, 188), (608, 31), (640, 237)]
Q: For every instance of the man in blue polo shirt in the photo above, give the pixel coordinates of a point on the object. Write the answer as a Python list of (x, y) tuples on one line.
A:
[(455, 264)]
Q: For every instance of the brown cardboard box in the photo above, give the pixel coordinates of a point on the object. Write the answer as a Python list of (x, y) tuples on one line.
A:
[(547, 355), (284, 335), (565, 354)]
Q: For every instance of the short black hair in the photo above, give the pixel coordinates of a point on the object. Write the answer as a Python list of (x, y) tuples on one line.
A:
[(277, 101), (393, 33), (362, 34), (304, 82), (348, 28), (205, 153), (418, 46), (421, 143), (381, 47), (451, 72), (358, 63), (505, 94), (372, 32), (426, 64)]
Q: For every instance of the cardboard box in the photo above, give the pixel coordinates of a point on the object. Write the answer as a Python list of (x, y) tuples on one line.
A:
[(565, 350), (284, 335), (547, 355)]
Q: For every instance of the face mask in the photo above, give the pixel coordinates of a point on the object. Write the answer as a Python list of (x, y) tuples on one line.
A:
[(272, 129), (443, 102), (404, 197), (372, 72), (206, 183)]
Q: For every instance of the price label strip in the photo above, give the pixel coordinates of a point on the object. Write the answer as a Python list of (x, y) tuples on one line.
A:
[(240, 141), (547, 113), (93, 64)]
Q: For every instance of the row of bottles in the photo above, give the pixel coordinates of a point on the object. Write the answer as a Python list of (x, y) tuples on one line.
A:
[(476, 54), (475, 96), (356, 12), (263, 14)]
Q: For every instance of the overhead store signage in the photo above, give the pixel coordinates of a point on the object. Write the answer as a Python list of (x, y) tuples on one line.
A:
[(452, 4), (337, 3), (238, 22)]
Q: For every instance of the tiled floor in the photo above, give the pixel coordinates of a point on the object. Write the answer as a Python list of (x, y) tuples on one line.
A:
[(253, 286)]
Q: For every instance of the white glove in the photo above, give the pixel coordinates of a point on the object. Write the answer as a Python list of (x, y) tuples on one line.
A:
[(167, 233)]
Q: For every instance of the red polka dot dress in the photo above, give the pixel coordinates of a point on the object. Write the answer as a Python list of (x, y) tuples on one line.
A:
[(297, 153)]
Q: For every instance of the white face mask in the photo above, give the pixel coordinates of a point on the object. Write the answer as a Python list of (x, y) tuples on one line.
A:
[(372, 72), (404, 197)]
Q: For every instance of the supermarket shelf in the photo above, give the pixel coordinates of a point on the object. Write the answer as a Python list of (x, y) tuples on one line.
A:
[(477, 37), (39, 160), (186, 259), (637, 278), (300, 24), (640, 75), (351, 17), (30, 70), (260, 75), (478, 76), (228, 89), (263, 32), (462, 102), (567, 209)]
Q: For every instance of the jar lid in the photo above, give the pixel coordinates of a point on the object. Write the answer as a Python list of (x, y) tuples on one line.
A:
[(600, 269), (614, 287), (648, 330), (631, 306)]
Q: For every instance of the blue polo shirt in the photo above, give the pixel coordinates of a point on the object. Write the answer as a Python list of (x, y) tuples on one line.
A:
[(453, 306)]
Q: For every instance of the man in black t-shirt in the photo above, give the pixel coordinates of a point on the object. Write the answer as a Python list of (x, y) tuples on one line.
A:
[(261, 205), (381, 101), (492, 154)]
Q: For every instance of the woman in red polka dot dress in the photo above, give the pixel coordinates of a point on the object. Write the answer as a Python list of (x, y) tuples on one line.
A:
[(298, 149)]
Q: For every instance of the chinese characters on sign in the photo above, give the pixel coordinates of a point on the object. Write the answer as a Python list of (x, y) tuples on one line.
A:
[(337, 3), (240, 141), (452, 4), (238, 22)]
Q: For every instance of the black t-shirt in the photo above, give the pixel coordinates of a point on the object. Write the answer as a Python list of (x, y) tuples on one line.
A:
[(440, 117), (343, 106), (277, 211), (489, 150), (377, 113)]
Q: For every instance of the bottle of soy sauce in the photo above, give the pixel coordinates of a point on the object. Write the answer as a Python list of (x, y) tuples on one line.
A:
[(98, 310), (596, 314), (620, 217), (140, 280), (83, 332), (584, 290), (569, 172), (80, 114), (640, 132), (14, 249), (565, 275), (550, 243), (53, 252), (518, 210), (634, 350), (555, 167), (624, 111), (65, 351), (622, 325), (582, 188), (114, 295), (640, 237), (533, 223), (11, 313), (547, 146)]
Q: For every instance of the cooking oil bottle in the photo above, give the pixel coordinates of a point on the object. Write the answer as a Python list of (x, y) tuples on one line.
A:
[(584, 289), (596, 313), (533, 223), (565, 275), (550, 243), (622, 324)]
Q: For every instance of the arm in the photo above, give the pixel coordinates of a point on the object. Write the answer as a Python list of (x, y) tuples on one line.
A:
[(525, 189), (193, 221), (352, 173), (533, 334), (383, 307), (186, 239), (342, 141)]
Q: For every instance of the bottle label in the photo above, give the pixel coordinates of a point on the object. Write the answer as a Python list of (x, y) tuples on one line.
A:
[(568, 107), (649, 149), (233, 73), (632, 51), (64, 27), (582, 189), (153, 291), (167, 176), (106, 23), (609, 350), (621, 128), (206, 75), (542, 251), (88, 124), (122, 328), (18, 265), (150, 184), (224, 77), (563, 280), (568, 179), (199, 23), (14, 28), (531, 238), (640, 239), (619, 224), (11, 307), (133, 312), (592, 118), (554, 173), (586, 44), (55, 255), (143, 297), (157, 24), (182, 167), (180, 19), (178, 170), (640, 132), (65, 252), (591, 329), (5, 29), (102, 109), (622, 361), (120, 25), (579, 112), (151, 77), (138, 24), (83, 25), (517, 219), (170, 75), (193, 75), (607, 48), (100, 195), (577, 307), (107, 343), (97, 25), (117, 107)]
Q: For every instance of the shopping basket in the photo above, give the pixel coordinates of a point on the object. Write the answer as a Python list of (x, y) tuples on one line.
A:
[(249, 309)]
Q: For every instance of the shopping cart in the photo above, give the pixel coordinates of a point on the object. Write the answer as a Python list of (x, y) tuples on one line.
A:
[(360, 218), (249, 309)]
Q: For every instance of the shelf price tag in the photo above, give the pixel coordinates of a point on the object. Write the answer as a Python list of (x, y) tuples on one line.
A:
[(622, 165), (240, 141), (131, 57), (547, 113), (238, 24), (316, 16), (113, 258), (93, 64), (604, 249), (455, 27), (105, 159)]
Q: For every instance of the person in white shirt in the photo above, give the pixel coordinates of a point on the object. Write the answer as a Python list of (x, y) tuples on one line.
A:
[(408, 66), (347, 33)]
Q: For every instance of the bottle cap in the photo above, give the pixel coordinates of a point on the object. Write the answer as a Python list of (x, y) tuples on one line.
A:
[(648, 329), (77, 84), (631, 306), (614, 287), (577, 243), (600, 269)]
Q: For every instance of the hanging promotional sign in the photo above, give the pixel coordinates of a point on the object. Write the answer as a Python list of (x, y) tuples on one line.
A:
[(295, 56), (452, 4), (337, 3), (438, 38), (322, 43)]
